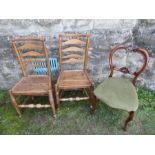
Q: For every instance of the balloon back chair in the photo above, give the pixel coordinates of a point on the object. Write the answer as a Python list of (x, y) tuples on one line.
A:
[(73, 54), (119, 92), (30, 52)]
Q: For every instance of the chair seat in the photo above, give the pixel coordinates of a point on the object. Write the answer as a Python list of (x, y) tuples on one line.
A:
[(118, 93), (73, 80), (32, 85)]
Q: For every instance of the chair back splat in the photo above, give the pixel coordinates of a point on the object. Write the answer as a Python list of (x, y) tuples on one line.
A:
[(125, 70)]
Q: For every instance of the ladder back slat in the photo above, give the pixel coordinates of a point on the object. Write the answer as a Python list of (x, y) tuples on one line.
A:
[(33, 60), (73, 49), (74, 42), (72, 56), (30, 46), (72, 60), (32, 53)]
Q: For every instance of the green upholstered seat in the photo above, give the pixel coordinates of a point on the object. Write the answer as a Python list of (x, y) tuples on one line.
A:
[(118, 93)]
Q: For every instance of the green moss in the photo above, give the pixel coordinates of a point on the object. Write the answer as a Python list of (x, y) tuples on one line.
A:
[(4, 97), (146, 99), (75, 118)]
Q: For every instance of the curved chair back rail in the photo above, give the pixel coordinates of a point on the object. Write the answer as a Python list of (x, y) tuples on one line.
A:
[(125, 70)]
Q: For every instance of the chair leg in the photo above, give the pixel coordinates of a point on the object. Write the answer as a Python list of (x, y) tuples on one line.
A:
[(93, 103), (14, 103), (92, 100), (130, 118), (57, 97), (52, 103)]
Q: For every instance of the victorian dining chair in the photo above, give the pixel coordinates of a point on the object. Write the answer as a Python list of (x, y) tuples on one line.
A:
[(73, 54), (28, 51), (119, 92)]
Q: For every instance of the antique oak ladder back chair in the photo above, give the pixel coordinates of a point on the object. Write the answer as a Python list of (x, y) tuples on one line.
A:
[(73, 50), (28, 51), (118, 92)]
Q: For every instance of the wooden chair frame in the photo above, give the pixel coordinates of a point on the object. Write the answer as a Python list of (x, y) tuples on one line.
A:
[(125, 70), (87, 86), (43, 80)]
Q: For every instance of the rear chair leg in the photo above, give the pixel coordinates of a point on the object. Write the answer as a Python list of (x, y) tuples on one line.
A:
[(14, 103), (130, 118), (52, 103), (92, 101), (57, 97)]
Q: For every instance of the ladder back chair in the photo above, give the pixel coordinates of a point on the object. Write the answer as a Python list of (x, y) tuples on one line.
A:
[(28, 51), (118, 92), (73, 50)]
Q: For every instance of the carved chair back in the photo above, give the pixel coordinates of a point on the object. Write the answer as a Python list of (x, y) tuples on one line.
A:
[(125, 70)]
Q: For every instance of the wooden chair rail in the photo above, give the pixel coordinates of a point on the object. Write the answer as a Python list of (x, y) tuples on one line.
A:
[(74, 99), (34, 106), (72, 56), (73, 60), (28, 39), (32, 54), (73, 49), (30, 46), (73, 42)]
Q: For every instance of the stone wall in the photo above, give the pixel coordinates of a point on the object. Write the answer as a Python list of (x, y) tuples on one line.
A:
[(105, 34)]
